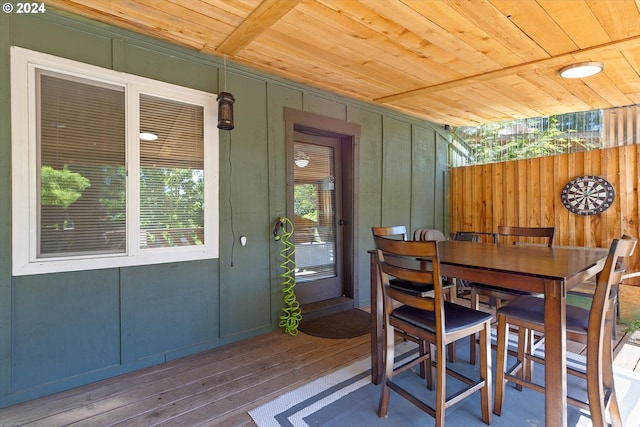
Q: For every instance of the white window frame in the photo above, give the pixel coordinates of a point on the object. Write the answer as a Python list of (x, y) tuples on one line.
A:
[(24, 64)]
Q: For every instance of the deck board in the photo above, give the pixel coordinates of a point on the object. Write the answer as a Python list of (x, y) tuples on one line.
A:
[(215, 387)]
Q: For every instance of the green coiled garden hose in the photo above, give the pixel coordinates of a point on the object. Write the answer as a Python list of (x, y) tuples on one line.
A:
[(292, 312)]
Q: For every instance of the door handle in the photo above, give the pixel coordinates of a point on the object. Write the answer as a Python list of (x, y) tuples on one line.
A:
[(341, 222)]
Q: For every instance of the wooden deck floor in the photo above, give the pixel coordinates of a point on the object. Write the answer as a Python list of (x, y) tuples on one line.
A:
[(215, 387)]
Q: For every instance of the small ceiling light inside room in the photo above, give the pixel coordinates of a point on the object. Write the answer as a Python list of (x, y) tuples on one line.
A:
[(148, 136), (225, 110), (302, 160), (583, 69)]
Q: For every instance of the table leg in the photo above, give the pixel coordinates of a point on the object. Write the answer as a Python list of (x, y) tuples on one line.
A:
[(376, 321), (555, 354)]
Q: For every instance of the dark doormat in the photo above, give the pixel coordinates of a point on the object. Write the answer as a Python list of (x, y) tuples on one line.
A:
[(344, 324)]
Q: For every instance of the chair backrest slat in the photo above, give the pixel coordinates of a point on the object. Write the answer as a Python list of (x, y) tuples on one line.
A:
[(398, 231), (546, 233), (411, 270)]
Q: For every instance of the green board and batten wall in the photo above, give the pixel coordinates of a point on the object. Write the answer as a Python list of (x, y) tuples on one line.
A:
[(62, 330)]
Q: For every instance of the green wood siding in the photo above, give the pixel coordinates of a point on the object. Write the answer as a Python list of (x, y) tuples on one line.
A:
[(59, 331), (368, 191), (6, 281), (244, 200), (59, 320), (168, 309), (396, 172), (423, 190)]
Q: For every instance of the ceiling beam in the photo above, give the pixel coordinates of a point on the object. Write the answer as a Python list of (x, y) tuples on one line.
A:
[(561, 60), (258, 21)]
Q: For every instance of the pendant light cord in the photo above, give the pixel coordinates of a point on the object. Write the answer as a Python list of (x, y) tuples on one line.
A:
[(233, 232), (225, 73)]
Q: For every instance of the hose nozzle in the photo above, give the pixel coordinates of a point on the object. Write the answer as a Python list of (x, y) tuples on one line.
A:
[(280, 223)]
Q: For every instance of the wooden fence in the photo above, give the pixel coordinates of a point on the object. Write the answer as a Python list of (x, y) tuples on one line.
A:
[(527, 193)]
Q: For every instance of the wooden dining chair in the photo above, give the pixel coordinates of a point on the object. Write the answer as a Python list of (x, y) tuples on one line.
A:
[(449, 284), (508, 235), (514, 235), (591, 327), (462, 286), (428, 234), (399, 232), (588, 288), (434, 320), (475, 236)]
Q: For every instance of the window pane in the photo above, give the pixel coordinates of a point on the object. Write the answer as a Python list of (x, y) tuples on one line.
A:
[(171, 173), (81, 167)]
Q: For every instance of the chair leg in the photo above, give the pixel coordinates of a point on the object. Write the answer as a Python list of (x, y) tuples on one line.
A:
[(441, 387), (501, 364), (472, 338), (389, 339), (451, 348), (426, 368), (530, 341), (596, 376), (616, 316), (422, 348), (430, 368), (485, 373), (523, 347), (451, 352), (473, 342), (596, 394), (608, 381), (452, 294)]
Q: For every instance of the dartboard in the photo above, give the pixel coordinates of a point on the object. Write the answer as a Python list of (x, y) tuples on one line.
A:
[(588, 195)]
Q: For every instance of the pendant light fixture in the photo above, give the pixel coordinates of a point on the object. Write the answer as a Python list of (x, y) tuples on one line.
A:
[(225, 104), (301, 160), (225, 110)]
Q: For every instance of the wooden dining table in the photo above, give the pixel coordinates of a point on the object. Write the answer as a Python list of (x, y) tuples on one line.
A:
[(548, 271)]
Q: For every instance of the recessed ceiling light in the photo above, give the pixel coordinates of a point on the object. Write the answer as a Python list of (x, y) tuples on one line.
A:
[(583, 69), (148, 136)]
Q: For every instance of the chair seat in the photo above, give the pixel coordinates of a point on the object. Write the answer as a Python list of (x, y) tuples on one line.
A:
[(456, 317), (531, 309)]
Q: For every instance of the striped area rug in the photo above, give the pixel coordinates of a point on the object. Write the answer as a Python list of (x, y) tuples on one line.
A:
[(347, 397)]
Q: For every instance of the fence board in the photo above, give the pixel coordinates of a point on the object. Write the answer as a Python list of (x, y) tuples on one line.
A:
[(527, 193)]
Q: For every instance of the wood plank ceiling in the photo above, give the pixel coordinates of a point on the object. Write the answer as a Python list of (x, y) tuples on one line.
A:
[(455, 62)]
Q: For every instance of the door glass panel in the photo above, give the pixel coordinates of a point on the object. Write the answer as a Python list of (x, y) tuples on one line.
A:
[(315, 213)]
